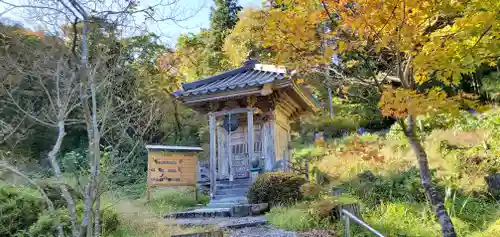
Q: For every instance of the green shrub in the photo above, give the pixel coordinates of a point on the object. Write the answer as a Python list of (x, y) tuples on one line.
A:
[(45, 226), (295, 218), (19, 209), (409, 220), (401, 186), (396, 133), (46, 223), (54, 193), (304, 216), (276, 188), (75, 162), (491, 231), (311, 191), (23, 213), (132, 169), (323, 209), (402, 219), (476, 211), (169, 200), (110, 221)]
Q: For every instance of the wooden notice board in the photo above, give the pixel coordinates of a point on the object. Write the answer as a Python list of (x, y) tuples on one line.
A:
[(170, 166)]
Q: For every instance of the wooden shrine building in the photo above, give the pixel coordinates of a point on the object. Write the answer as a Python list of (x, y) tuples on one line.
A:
[(250, 110)]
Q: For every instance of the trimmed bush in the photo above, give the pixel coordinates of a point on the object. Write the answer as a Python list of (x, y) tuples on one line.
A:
[(276, 188)]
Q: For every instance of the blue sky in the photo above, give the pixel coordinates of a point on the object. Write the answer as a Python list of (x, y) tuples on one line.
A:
[(198, 21), (169, 31)]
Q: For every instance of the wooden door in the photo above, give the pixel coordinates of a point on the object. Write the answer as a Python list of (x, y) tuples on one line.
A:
[(239, 161)]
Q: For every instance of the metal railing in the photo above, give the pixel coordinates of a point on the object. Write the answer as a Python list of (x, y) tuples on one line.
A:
[(349, 216)]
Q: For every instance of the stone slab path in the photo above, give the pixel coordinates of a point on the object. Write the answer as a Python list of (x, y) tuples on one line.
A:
[(261, 231), (221, 222)]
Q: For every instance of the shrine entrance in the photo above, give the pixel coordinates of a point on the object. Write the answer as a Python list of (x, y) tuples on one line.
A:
[(250, 110)]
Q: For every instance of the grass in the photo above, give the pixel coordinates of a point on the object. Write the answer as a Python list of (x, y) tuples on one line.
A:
[(295, 218), (396, 219), (139, 217)]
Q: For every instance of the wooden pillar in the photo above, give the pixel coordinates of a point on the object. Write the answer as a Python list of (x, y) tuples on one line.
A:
[(229, 154), (222, 162), (213, 157), (250, 136)]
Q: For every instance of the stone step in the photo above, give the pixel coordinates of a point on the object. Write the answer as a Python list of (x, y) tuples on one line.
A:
[(241, 196), (231, 186), (201, 213), (233, 191), (221, 223), (221, 205), (231, 199), (236, 181)]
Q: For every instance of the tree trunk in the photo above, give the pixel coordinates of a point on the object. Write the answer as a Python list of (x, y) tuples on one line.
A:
[(433, 196), (97, 215), (55, 165), (177, 121), (58, 174), (85, 226)]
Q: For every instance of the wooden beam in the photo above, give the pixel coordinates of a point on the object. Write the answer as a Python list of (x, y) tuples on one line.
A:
[(250, 136), (233, 111), (291, 101), (213, 158)]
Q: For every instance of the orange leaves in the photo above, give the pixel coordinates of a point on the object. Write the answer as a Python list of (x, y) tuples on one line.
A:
[(401, 102), (363, 150)]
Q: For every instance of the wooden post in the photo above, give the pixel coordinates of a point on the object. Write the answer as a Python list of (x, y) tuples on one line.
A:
[(250, 136), (229, 155), (213, 159), (148, 181), (221, 158)]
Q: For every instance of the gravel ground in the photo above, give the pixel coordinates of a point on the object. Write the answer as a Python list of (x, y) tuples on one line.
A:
[(257, 227), (261, 231)]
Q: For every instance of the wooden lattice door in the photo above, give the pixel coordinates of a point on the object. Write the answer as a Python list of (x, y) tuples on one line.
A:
[(239, 161)]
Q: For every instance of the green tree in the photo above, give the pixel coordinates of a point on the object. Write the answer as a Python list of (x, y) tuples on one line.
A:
[(201, 54), (223, 18)]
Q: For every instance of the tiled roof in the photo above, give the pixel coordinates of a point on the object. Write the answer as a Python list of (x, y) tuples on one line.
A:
[(251, 74)]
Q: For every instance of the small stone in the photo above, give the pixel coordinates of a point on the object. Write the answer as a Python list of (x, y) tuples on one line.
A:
[(260, 208)]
